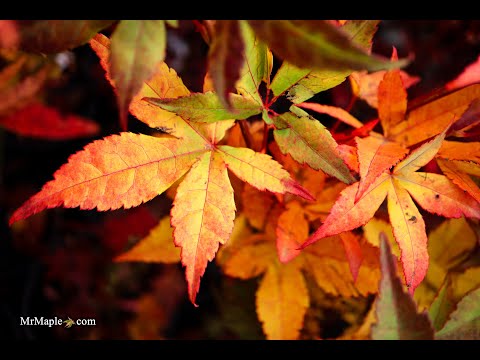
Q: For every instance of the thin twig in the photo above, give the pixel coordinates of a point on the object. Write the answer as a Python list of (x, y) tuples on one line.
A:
[(263, 150), (246, 133)]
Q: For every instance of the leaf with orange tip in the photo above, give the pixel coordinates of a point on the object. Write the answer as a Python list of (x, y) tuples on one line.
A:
[(458, 172), (202, 216), (375, 156), (156, 247), (45, 122), (392, 101), (137, 46), (397, 314), (433, 192), (119, 171)]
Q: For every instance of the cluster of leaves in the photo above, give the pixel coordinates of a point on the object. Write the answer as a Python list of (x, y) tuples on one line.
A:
[(310, 200)]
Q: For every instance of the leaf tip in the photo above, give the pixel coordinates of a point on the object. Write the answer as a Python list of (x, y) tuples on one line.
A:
[(285, 255), (313, 238), (296, 189)]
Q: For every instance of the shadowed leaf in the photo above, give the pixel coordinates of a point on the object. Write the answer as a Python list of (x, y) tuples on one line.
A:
[(317, 44), (225, 58), (464, 322), (137, 46), (157, 246), (49, 36), (397, 317)]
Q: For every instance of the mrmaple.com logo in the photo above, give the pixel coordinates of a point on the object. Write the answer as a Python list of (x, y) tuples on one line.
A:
[(55, 321)]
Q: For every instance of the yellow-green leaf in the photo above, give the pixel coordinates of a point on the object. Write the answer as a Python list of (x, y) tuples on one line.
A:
[(308, 141)]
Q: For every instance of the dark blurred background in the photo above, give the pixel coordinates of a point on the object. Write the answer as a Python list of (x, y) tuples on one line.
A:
[(58, 263)]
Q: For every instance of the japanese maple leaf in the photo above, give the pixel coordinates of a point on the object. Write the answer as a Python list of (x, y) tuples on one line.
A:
[(375, 152), (449, 246), (296, 132), (365, 85), (459, 158), (127, 169), (257, 206), (397, 314), (282, 297), (433, 192)]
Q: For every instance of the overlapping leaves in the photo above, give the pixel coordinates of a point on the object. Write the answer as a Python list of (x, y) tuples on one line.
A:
[(127, 169)]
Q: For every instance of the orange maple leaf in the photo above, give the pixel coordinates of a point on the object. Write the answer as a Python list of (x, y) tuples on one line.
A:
[(128, 169), (282, 297), (433, 192)]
